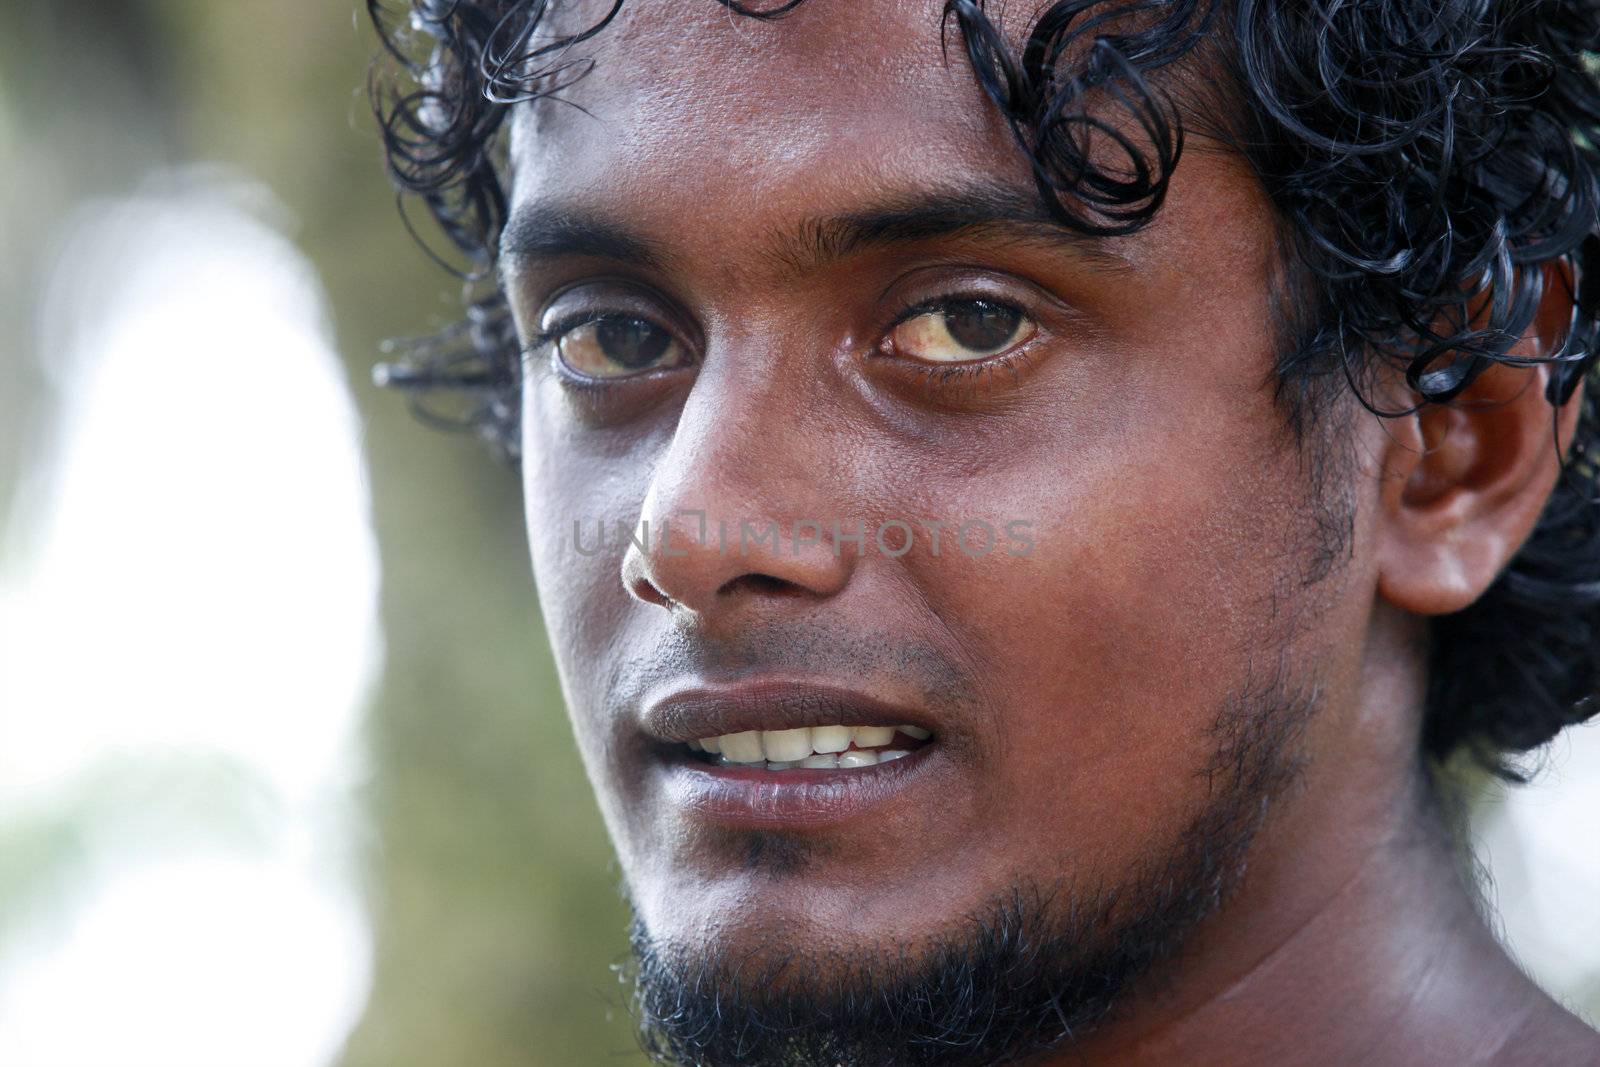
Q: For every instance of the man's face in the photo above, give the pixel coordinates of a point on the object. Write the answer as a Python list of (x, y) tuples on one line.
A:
[(793, 335)]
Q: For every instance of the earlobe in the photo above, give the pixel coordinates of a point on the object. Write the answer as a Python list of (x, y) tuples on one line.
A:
[(1464, 486)]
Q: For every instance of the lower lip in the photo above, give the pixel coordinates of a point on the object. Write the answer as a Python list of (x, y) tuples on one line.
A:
[(756, 798)]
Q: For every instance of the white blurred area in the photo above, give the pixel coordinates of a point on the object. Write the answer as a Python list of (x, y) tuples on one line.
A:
[(188, 636), (1541, 845)]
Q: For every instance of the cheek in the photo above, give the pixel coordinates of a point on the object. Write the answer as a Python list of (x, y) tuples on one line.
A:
[(1150, 600), (583, 604), (578, 507)]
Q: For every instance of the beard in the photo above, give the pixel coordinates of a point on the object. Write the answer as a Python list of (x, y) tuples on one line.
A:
[(1035, 969)]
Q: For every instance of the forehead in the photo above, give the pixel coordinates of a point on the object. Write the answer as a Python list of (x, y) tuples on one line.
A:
[(692, 108)]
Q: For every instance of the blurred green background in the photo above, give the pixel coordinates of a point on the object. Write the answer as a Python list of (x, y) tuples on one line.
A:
[(485, 876), (492, 889)]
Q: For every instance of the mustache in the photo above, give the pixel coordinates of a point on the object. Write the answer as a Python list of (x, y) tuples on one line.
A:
[(805, 647)]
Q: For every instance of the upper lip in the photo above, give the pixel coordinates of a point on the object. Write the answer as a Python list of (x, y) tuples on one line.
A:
[(710, 709)]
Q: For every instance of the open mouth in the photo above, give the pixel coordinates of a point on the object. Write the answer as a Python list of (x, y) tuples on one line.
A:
[(829, 747), (789, 754)]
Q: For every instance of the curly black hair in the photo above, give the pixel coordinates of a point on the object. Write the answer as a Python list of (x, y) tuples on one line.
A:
[(1432, 165)]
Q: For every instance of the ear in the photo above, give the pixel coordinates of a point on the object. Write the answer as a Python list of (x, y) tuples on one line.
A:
[(1465, 482)]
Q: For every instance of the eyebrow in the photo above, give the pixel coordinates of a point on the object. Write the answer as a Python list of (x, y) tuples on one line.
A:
[(542, 231), (550, 231)]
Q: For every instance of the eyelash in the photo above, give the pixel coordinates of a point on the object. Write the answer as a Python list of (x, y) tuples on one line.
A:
[(553, 333), (936, 379), (547, 338)]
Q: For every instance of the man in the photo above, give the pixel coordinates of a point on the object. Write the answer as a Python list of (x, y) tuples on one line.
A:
[(1024, 498)]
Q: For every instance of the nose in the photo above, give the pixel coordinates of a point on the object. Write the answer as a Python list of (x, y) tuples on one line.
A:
[(739, 518)]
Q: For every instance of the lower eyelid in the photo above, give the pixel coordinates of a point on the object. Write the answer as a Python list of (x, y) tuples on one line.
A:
[(970, 379)]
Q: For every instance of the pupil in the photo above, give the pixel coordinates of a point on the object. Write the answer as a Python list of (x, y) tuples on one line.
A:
[(980, 325), (633, 343)]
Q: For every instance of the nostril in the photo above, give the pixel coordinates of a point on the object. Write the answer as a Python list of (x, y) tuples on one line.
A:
[(636, 580), (645, 590), (766, 584)]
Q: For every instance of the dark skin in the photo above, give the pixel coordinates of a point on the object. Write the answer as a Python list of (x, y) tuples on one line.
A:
[(1071, 691)]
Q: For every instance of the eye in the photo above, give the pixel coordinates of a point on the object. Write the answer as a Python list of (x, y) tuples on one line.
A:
[(615, 346), (958, 331)]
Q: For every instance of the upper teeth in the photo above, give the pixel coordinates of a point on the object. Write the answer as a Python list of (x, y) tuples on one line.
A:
[(810, 746)]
